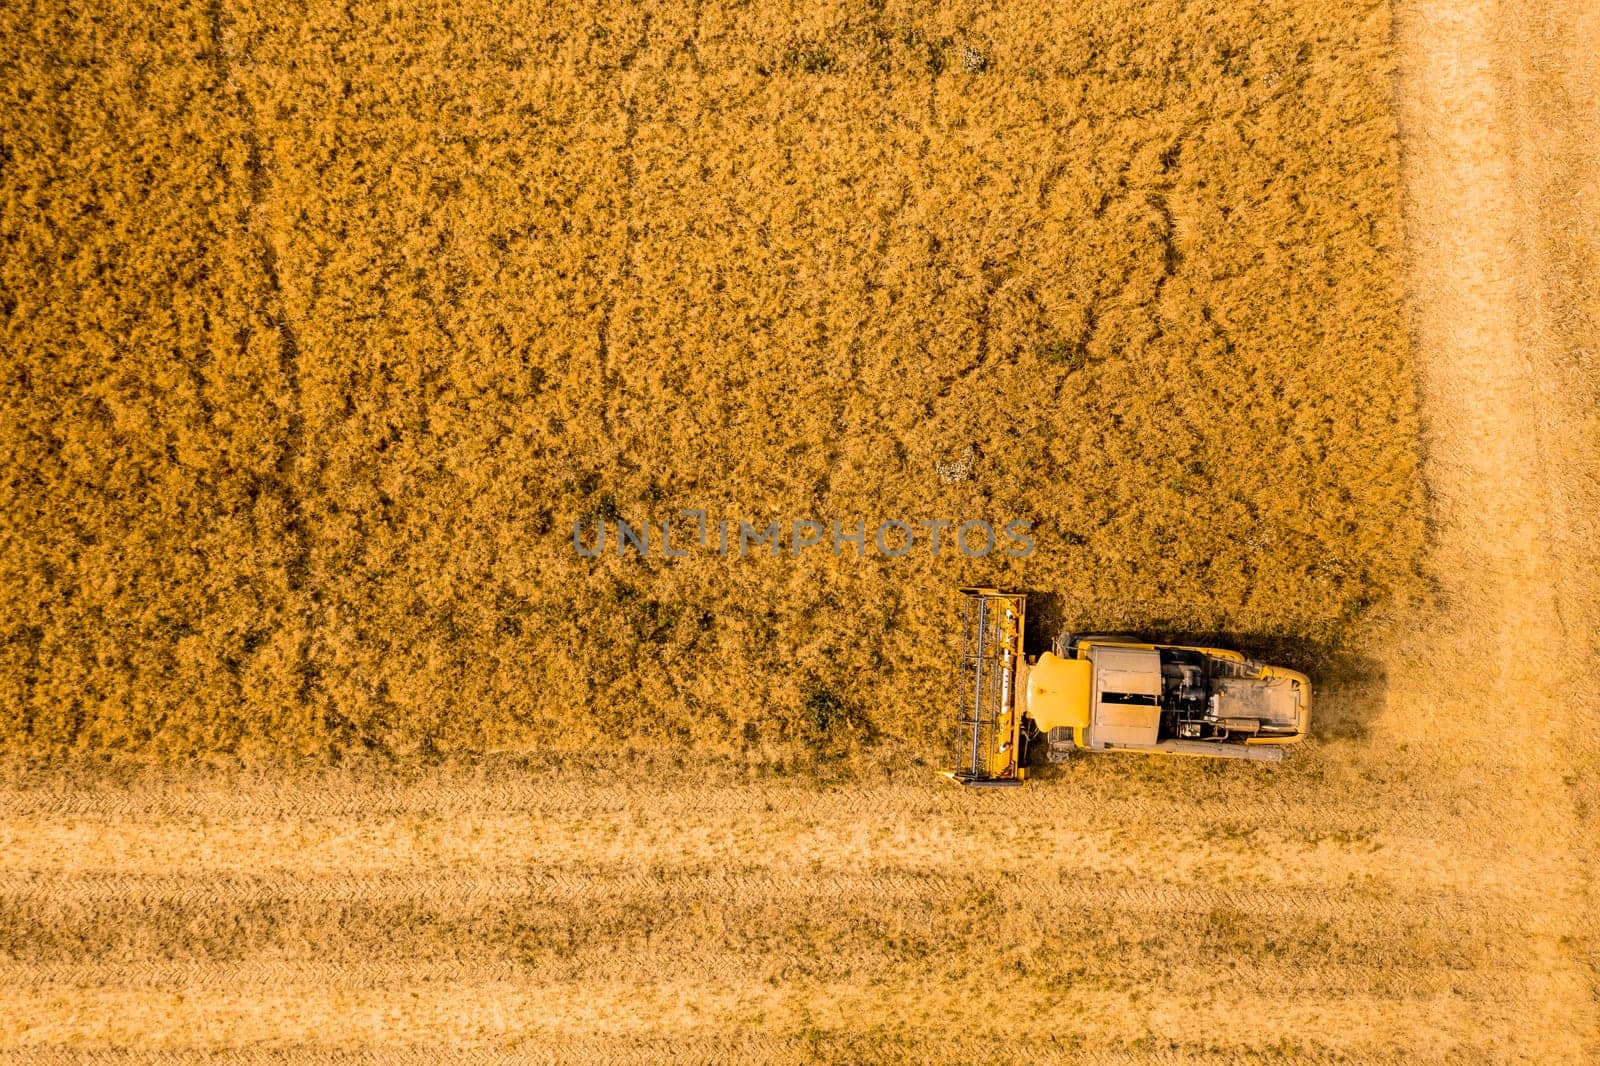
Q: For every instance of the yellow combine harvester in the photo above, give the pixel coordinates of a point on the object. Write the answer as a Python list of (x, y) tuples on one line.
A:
[(1110, 694)]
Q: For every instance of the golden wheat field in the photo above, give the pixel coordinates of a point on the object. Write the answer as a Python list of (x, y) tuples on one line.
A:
[(326, 326), (329, 323)]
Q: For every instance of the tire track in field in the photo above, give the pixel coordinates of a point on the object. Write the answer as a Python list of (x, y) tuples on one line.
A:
[(480, 1015), (923, 893), (1275, 857), (698, 1048), (1504, 667)]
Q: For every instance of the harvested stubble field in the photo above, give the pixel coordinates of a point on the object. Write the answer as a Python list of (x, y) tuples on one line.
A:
[(323, 324)]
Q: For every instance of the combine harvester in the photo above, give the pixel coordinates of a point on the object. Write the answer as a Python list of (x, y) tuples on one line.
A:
[(1106, 693)]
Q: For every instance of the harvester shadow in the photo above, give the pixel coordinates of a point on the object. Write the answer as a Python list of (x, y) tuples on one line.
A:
[(1349, 688)]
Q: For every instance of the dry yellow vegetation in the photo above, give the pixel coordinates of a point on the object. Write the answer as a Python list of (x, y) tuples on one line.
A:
[(1415, 885), (326, 322)]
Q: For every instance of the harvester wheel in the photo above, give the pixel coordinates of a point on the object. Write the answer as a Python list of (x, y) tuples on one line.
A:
[(1061, 747)]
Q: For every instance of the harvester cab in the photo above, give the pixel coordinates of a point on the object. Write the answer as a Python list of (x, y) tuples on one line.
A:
[(1112, 693)]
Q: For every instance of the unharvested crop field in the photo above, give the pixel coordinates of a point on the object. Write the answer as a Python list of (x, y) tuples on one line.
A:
[(326, 323), (322, 324)]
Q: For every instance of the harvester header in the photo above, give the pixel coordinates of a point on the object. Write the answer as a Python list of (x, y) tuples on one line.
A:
[(988, 727)]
